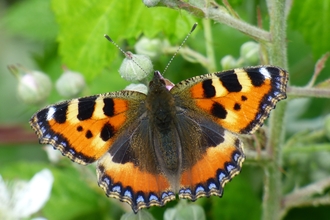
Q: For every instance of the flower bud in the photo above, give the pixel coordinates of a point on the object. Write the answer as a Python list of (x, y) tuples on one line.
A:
[(33, 87), (228, 62), (137, 87), (150, 3), (250, 53), (135, 67), (70, 84), (149, 47)]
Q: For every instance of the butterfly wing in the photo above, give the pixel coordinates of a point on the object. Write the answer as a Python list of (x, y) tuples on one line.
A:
[(130, 171), (112, 129), (239, 100), (84, 129), (211, 156), (219, 105)]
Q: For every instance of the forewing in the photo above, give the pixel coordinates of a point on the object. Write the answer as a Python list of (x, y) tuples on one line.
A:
[(239, 100), (84, 129)]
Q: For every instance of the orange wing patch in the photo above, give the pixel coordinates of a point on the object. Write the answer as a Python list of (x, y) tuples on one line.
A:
[(128, 183), (218, 165)]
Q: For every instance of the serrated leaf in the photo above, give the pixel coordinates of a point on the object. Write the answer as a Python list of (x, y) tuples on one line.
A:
[(311, 18), (84, 22)]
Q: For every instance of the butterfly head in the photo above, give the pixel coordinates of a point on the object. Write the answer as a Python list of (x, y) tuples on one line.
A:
[(159, 81)]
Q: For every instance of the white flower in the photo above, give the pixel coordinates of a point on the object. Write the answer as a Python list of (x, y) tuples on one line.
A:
[(20, 199), (54, 156)]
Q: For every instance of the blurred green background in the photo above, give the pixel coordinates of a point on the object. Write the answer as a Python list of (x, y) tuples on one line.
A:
[(43, 35)]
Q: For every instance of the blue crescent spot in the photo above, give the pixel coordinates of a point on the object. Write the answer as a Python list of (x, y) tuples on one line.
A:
[(153, 197), (230, 168), (236, 156), (140, 199), (269, 98), (276, 93), (128, 193), (212, 186), (43, 129), (106, 180), (116, 189), (258, 116), (164, 195), (187, 191), (199, 189), (221, 176)]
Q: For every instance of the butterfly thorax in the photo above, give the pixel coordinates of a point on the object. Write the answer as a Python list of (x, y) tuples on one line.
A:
[(161, 113)]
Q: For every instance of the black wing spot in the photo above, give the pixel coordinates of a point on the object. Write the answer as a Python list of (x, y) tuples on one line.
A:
[(108, 108), (243, 98), (86, 107), (230, 82), (237, 107), (88, 134), (107, 132), (257, 79), (79, 128), (209, 90), (218, 111), (60, 113)]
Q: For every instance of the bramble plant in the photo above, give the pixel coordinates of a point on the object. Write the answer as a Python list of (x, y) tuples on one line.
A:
[(286, 175)]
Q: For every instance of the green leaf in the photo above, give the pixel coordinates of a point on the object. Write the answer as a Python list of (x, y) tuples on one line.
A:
[(84, 22), (311, 18), (239, 200), (32, 19)]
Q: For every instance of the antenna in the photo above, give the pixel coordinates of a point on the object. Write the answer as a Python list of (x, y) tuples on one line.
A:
[(127, 54), (176, 52)]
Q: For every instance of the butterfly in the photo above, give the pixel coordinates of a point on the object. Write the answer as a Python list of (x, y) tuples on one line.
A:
[(183, 140)]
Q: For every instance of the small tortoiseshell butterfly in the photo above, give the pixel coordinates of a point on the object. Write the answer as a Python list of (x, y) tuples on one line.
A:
[(150, 147)]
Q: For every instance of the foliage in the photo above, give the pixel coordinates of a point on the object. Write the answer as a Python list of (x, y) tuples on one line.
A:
[(45, 34)]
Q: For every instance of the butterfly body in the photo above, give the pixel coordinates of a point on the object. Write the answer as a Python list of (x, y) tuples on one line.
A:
[(149, 147), (161, 116)]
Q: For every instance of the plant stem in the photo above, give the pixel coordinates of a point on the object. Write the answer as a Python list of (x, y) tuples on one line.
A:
[(209, 45), (304, 196), (188, 54), (294, 91), (277, 56), (250, 30), (221, 16)]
